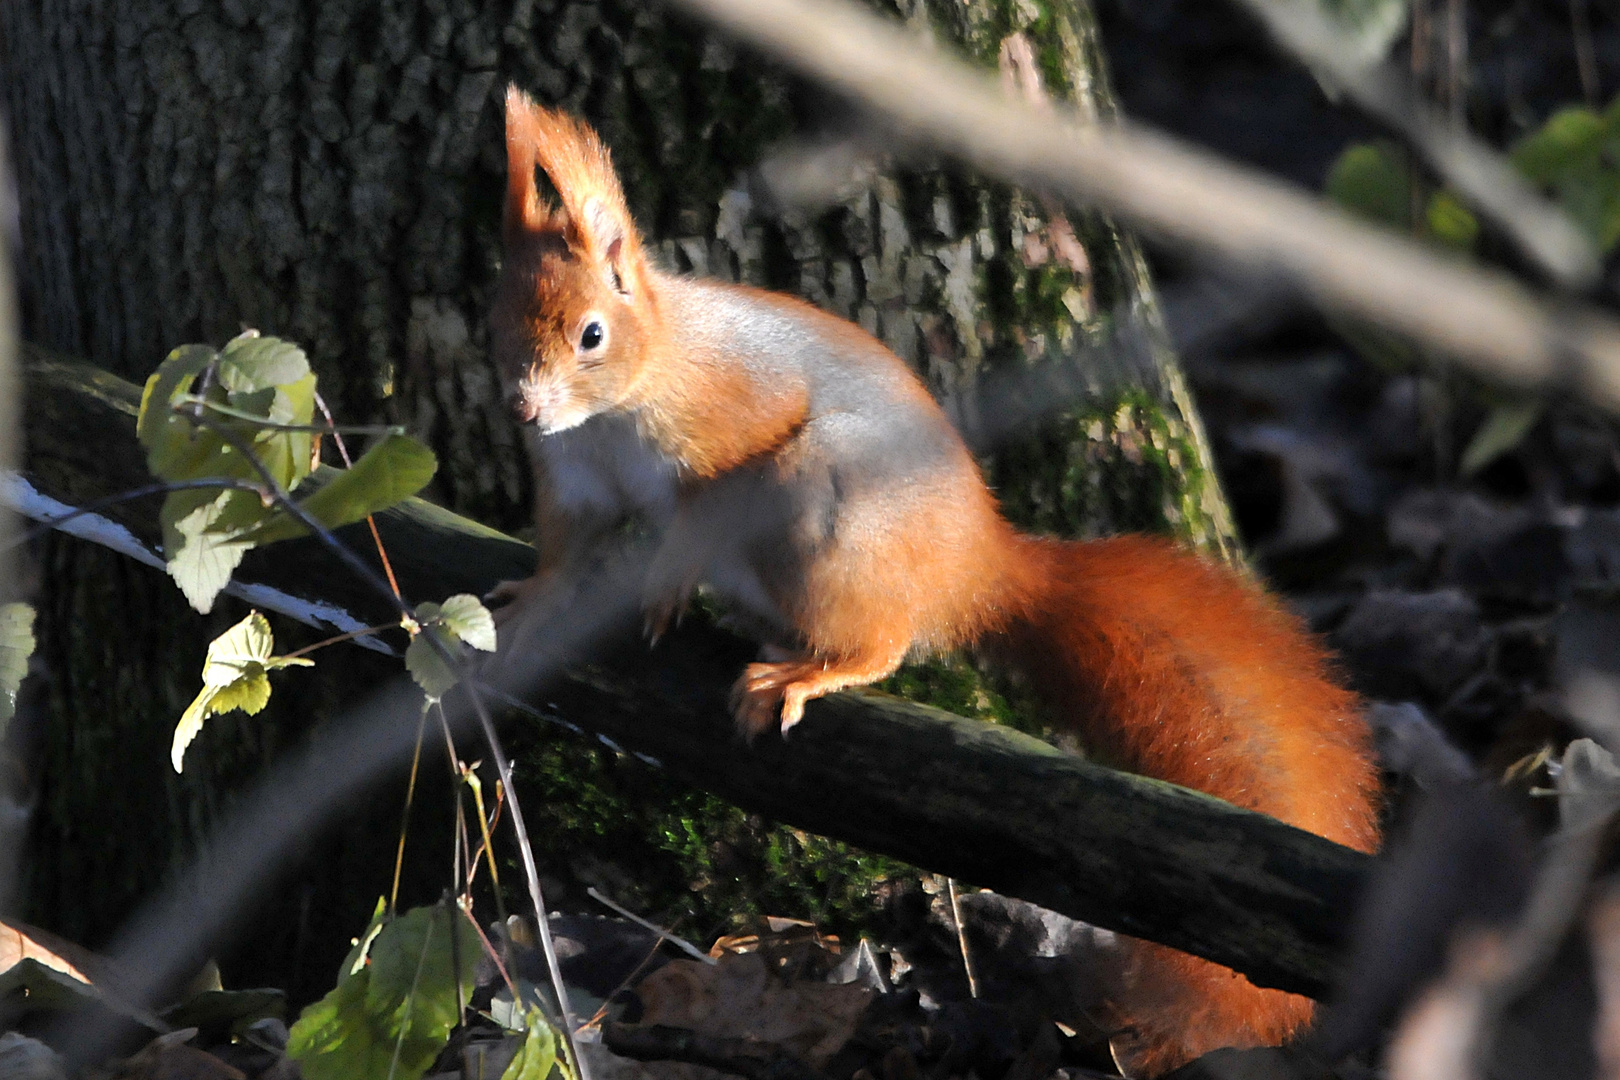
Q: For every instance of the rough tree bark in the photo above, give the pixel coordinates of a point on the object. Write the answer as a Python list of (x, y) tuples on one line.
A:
[(187, 169)]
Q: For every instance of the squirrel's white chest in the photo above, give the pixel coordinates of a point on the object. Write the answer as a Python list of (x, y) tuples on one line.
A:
[(604, 467)]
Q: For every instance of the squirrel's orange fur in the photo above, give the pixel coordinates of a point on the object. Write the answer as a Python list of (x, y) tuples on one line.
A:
[(796, 467)]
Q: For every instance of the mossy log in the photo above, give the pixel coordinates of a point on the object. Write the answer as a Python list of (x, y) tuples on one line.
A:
[(973, 800)]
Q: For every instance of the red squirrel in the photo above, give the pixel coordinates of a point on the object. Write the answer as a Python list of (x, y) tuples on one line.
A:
[(801, 472)]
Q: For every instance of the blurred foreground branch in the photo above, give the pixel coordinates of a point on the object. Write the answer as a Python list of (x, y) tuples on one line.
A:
[(978, 802), (1480, 317), (1484, 177)]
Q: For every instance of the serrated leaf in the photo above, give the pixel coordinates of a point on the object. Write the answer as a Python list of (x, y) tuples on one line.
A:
[(538, 1054), (465, 616), (239, 512), (394, 1015), (250, 693), (426, 666), (190, 725), (1503, 430), (234, 677), (16, 646), (200, 560), (251, 362), (390, 472)]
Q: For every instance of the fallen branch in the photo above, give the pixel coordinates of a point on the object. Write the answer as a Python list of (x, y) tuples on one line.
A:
[(980, 803)]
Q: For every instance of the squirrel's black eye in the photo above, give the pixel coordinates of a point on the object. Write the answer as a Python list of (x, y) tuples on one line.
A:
[(591, 336)]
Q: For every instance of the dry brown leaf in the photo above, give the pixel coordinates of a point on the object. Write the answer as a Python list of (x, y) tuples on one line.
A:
[(19, 942), (169, 1057), (740, 998)]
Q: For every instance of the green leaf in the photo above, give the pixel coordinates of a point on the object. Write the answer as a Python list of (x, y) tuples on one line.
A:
[(394, 1015), (199, 559), (16, 646), (234, 677), (239, 512), (428, 949), (1570, 142), (537, 1056), (176, 449), (1371, 180), (1450, 222), (251, 362), (423, 661), (1504, 429), (360, 955), (165, 386), (336, 1039), (179, 448), (467, 618), (1576, 155), (390, 472), (287, 453), (191, 722)]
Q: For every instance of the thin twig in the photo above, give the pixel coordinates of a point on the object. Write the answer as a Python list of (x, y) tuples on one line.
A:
[(503, 765), (271, 425), (340, 638), (370, 577), (1471, 313), (1580, 27), (607, 1002), (405, 816), (495, 955), (371, 521), (961, 940), (679, 942), (486, 849), (337, 547), (461, 845)]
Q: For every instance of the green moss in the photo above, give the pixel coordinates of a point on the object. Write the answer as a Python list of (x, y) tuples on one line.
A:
[(692, 861)]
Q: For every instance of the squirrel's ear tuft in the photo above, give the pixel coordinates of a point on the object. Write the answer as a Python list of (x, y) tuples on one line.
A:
[(525, 212), (594, 218)]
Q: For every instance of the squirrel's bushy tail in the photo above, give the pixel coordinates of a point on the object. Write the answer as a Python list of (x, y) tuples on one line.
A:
[(1173, 667)]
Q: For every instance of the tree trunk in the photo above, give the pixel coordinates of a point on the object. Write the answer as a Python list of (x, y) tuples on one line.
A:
[(185, 170)]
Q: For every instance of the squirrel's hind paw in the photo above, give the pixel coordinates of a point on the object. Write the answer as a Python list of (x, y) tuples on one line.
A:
[(762, 693)]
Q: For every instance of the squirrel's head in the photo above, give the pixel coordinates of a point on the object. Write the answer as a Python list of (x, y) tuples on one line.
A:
[(571, 324)]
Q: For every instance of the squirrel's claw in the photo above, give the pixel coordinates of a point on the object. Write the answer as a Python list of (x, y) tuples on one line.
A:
[(656, 619)]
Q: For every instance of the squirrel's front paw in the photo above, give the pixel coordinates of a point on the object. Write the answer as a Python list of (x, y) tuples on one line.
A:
[(519, 599), (658, 614)]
